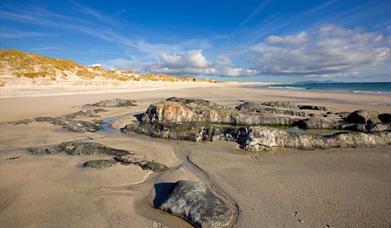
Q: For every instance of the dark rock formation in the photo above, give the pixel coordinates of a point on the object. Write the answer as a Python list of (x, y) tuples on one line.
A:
[(318, 123), (195, 202), (79, 148), (281, 104), (99, 164), (115, 103), (144, 164)]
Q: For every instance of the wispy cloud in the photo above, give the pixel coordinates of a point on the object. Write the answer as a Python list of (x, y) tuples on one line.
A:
[(13, 34)]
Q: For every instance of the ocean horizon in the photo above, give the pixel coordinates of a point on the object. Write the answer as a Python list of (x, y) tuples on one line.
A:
[(382, 88)]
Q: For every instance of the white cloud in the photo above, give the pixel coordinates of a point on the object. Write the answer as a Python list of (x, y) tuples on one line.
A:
[(331, 51), (292, 39), (191, 59)]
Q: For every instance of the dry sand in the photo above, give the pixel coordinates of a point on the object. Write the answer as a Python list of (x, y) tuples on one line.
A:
[(282, 188)]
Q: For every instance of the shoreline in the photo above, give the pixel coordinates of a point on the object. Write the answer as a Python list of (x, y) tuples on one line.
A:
[(19, 91)]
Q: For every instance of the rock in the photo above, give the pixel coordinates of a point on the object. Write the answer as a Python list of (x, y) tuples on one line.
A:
[(314, 107), (78, 148), (144, 164), (363, 117), (85, 113), (281, 104), (262, 108), (317, 123), (195, 202), (385, 117), (179, 110), (115, 103), (378, 127), (264, 138), (99, 164), (186, 131), (69, 122)]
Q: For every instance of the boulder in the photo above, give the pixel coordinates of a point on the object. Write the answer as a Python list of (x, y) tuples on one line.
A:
[(144, 164), (99, 164), (195, 202), (114, 103), (363, 117)]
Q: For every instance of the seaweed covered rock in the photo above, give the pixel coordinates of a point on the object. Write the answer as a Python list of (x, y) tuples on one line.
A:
[(195, 202)]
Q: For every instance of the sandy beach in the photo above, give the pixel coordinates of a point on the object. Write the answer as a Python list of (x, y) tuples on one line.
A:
[(278, 188)]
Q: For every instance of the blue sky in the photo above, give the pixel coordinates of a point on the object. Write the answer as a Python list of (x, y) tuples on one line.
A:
[(234, 39)]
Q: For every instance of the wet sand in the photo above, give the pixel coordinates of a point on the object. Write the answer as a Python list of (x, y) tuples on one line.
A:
[(281, 188)]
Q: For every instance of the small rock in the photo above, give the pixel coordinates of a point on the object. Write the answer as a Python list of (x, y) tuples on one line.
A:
[(13, 158), (99, 163), (144, 164), (115, 103)]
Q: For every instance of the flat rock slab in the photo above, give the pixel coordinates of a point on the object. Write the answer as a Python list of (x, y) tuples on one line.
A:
[(195, 202)]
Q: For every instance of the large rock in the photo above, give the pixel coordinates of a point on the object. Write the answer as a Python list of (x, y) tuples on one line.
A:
[(264, 138), (195, 202), (363, 117), (114, 103), (179, 110)]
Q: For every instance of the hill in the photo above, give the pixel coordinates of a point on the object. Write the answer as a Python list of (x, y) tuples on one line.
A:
[(18, 67)]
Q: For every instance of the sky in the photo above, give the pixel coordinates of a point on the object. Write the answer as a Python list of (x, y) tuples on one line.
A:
[(244, 40)]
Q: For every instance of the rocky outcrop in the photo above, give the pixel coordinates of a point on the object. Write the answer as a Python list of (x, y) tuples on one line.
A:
[(78, 148), (264, 138), (114, 103), (92, 148), (180, 110), (69, 122), (99, 164), (195, 202), (201, 120), (144, 164)]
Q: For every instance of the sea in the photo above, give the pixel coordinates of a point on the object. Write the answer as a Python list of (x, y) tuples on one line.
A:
[(383, 88)]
